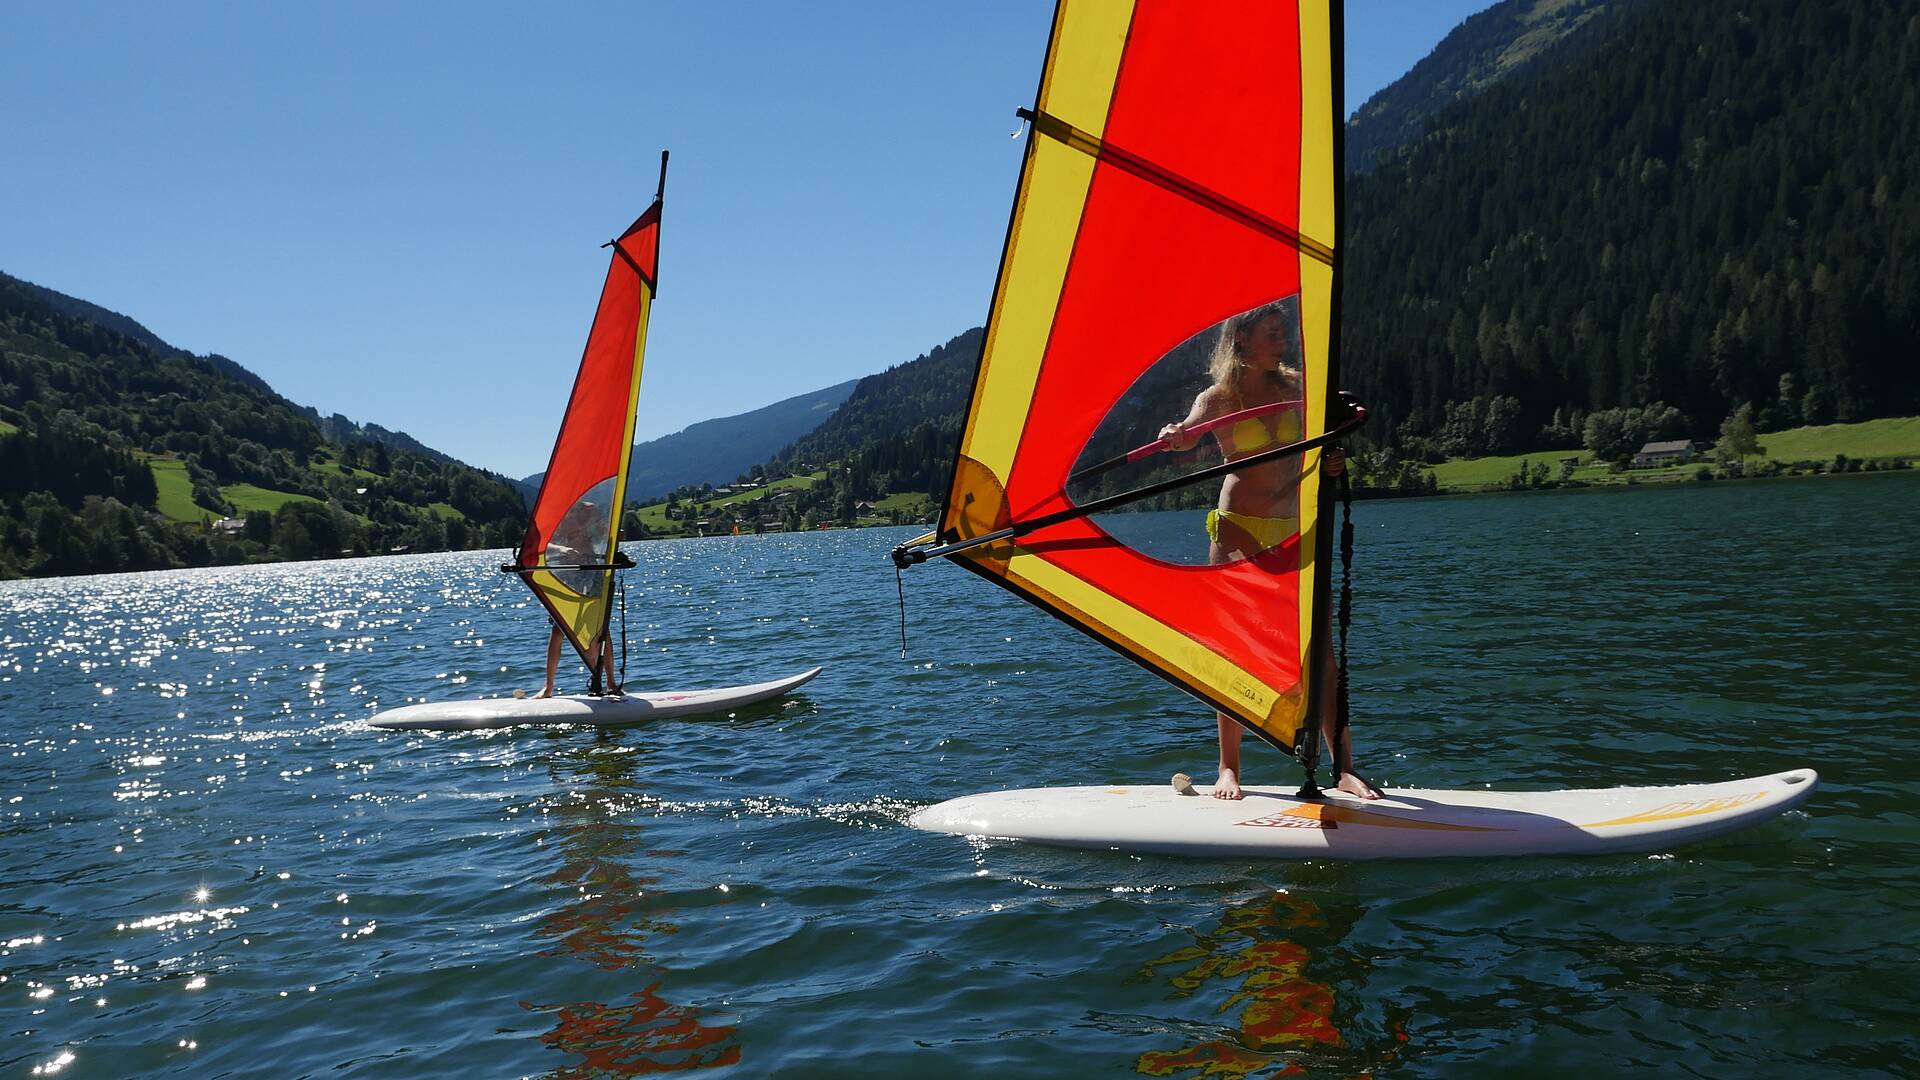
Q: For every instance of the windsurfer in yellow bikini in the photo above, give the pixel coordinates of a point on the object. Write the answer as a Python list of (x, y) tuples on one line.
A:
[(1260, 505)]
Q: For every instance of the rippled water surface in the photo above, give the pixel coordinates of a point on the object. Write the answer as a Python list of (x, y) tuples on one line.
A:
[(212, 867)]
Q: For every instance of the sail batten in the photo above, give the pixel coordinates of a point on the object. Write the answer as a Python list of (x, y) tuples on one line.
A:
[(570, 551), (1177, 192), (1055, 128)]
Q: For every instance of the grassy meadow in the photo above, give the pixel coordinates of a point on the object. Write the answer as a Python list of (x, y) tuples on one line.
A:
[(654, 515), (176, 491), (1888, 440)]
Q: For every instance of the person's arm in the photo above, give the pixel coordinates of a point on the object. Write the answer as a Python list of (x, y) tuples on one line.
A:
[(1176, 435)]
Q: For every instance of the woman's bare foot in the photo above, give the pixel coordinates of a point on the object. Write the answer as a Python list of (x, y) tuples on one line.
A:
[(1228, 786), (548, 692), (1357, 787)]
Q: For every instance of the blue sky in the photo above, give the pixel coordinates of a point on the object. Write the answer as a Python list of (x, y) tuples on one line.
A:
[(394, 211)]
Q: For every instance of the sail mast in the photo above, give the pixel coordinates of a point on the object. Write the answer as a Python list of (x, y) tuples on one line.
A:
[(1320, 643)]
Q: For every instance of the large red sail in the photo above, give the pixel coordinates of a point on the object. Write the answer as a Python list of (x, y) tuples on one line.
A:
[(1180, 187), (570, 544)]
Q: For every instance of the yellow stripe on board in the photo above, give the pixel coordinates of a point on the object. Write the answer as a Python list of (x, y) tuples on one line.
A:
[(1685, 809)]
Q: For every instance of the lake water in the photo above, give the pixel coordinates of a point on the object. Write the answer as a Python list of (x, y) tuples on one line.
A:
[(213, 868)]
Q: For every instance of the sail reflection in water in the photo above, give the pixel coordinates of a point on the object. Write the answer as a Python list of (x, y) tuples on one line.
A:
[(608, 924), (1263, 950)]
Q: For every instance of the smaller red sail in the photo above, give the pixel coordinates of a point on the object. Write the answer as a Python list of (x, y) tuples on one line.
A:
[(571, 541)]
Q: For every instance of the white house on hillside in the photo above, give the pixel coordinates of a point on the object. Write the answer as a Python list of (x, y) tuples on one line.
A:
[(1655, 454)]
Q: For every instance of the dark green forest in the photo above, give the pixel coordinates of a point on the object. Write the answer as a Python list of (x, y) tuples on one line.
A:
[(929, 389), (1707, 206), (894, 435), (1485, 48), (86, 409)]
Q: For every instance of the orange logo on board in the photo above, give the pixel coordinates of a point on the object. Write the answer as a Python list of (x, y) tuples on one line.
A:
[(1300, 817)]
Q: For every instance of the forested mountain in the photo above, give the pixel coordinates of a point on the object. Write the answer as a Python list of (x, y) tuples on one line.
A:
[(118, 452), (335, 428), (895, 435), (1657, 214), (1708, 205), (93, 313), (932, 388), (1481, 51), (338, 429), (716, 451)]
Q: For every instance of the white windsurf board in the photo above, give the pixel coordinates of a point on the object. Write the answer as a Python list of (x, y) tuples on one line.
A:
[(625, 711), (1409, 823)]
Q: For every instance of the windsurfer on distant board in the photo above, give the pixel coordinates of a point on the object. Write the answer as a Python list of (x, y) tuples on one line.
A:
[(1260, 505), (578, 540)]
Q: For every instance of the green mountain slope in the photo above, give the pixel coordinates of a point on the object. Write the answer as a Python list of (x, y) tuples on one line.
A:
[(117, 453), (932, 388), (86, 311), (888, 445), (717, 451), (1486, 48)]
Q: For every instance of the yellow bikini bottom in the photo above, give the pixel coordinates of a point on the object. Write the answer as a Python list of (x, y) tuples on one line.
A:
[(1267, 532)]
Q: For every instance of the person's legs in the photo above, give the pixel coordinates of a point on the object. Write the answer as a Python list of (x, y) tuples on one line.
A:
[(1229, 542), (606, 666), (553, 660), (1338, 742), (1228, 786)]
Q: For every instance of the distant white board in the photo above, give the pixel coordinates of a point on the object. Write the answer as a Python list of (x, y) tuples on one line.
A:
[(1408, 823), (579, 709)]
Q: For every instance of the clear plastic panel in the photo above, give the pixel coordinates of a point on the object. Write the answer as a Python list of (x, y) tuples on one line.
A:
[(1228, 392), (581, 539)]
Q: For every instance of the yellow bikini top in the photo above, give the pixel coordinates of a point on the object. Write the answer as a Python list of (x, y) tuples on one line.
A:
[(1258, 433)]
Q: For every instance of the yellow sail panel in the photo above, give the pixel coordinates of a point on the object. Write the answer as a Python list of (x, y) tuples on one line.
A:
[(1088, 39), (1087, 43), (1322, 115), (1169, 265), (633, 408)]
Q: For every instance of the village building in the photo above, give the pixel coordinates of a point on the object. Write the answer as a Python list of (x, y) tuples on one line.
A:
[(1655, 454)]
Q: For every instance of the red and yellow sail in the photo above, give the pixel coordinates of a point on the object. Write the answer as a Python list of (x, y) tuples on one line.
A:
[(572, 540), (1182, 168)]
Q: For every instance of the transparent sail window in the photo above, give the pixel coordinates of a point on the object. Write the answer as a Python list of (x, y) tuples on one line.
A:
[(581, 538), (1228, 392)]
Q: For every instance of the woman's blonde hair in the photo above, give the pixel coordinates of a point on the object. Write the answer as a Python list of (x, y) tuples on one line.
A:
[(1229, 361)]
